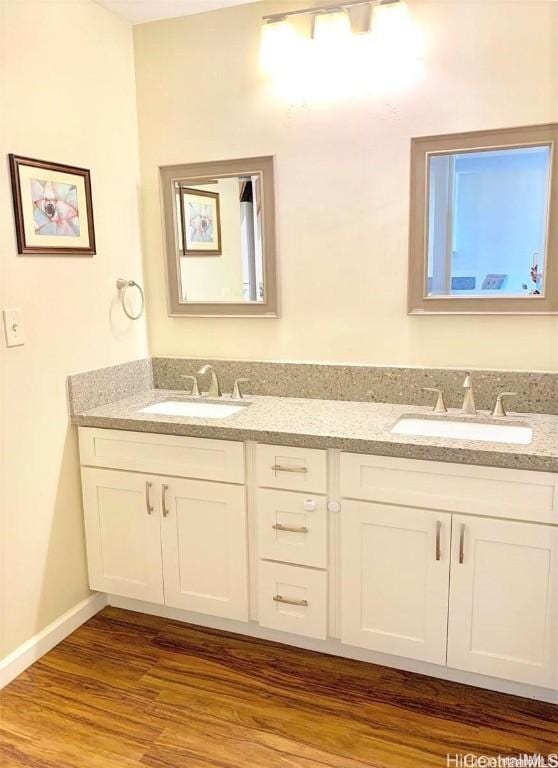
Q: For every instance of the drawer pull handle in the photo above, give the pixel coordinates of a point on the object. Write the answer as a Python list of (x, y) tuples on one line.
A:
[(438, 544), (289, 601), (148, 504), (462, 544), (164, 500), (283, 468), (291, 528)]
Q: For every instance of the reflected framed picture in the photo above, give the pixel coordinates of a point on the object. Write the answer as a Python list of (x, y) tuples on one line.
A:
[(201, 222), (52, 207)]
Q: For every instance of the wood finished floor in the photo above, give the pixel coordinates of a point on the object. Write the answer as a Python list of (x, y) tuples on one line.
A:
[(129, 690)]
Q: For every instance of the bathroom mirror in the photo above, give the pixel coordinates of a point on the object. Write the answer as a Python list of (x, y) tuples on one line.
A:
[(219, 223), (483, 222)]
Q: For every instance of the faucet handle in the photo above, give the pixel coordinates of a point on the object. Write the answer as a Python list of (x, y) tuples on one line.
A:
[(499, 409), (237, 392), (440, 406), (195, 389), (468, 383)]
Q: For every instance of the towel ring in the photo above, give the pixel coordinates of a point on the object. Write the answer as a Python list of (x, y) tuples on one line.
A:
[(122, 286)]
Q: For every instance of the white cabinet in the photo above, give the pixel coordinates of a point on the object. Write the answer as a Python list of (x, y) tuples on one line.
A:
[(292, 527), (205, 547), (123, 533), (195, 457), (293, 469), (395, 579), (488, 491), (504, 600), (448, 564), (166, 540), (293, 599)]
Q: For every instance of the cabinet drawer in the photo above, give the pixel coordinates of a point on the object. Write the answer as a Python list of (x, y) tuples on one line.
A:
[(511, 493), (292, 527), (194, 457), (294, 469), (293, 599)]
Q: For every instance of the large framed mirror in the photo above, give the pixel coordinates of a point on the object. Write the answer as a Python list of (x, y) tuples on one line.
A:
[(219, 229), (484, 222)]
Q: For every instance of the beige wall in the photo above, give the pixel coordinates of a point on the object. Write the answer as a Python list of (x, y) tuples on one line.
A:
[(342, 177), (66, 94)]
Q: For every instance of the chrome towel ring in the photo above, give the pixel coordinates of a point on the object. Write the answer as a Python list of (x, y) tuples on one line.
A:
[(122, 286)]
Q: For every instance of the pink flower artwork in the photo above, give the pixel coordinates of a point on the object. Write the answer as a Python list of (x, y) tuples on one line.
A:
[(55, 208), (201, 223)]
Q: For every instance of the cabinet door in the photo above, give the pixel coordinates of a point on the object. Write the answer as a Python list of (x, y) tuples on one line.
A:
[(394, 579), (503, 600), (205, 557), (123, 533)]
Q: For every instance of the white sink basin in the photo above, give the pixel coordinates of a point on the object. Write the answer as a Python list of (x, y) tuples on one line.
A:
[(464, 430), (188, 408)]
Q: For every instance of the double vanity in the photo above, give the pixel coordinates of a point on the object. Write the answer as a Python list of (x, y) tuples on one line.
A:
[(386, 532)]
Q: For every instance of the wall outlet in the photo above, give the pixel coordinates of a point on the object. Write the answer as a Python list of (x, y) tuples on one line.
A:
[(13, 327)]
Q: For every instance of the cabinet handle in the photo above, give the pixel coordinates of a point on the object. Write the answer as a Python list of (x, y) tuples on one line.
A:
[(291, 528), (148, 504), (165, 488), (282, 468), (438, 544), (462, 544), (288, 601)]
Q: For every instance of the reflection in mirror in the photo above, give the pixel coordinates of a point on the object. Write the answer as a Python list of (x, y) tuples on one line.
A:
[(219, 239), (487, 222)]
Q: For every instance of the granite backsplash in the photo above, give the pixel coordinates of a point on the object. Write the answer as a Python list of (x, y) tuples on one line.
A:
[(537, 392)]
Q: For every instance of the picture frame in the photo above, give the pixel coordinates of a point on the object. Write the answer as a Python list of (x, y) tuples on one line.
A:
[(200, 216), (53, 208)]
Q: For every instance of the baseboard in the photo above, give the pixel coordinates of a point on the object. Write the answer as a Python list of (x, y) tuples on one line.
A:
[(336, 648), (32, 650)]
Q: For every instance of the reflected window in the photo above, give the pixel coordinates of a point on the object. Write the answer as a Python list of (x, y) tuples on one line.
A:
[(487, 222), (484, 222)]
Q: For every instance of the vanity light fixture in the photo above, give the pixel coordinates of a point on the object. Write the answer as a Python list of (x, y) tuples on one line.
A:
[(330, 24), (342, 49), (321, 10)]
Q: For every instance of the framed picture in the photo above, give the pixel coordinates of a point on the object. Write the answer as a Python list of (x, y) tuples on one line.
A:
[(201, 222), (52, 207)]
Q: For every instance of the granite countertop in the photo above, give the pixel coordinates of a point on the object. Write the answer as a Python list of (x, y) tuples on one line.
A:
[(350, 426)]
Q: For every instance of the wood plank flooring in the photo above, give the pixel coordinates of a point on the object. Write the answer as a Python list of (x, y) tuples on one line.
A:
[(129, 690)]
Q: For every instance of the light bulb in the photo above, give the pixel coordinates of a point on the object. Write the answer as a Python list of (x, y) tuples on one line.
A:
[(331, 27), (277, 43), (396, 46), (392, 25)]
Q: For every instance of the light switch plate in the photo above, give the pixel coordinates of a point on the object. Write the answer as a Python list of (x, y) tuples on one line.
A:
[(13, 327)]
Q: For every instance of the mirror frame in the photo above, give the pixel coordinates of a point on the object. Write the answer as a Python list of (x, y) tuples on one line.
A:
[(190, 173), (421, 151)]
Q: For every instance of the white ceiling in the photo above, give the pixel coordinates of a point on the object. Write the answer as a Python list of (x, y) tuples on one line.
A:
[(140, 11)]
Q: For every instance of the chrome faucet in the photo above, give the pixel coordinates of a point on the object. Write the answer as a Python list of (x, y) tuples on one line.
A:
[(469, 398), (215, 387)]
